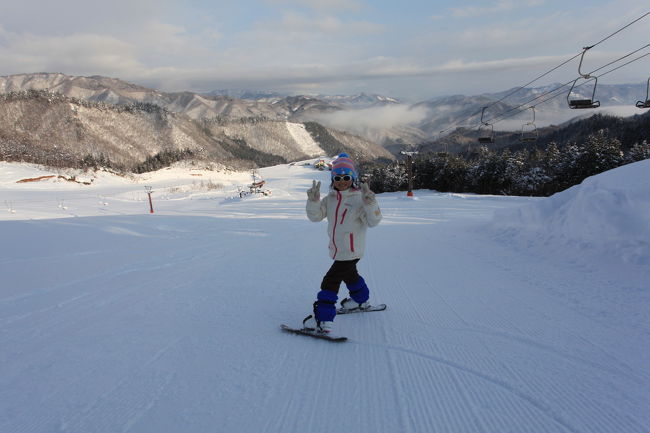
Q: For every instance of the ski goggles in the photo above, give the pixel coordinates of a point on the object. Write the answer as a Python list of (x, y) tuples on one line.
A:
[(345, 178)]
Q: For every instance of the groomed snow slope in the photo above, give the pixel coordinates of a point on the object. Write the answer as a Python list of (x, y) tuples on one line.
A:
[(116, 320), (303, 139)]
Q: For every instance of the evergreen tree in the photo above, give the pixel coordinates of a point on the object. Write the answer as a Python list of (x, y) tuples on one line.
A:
[(390, 178), (598, 154), (487, 172), (639, 152), (518, 174)]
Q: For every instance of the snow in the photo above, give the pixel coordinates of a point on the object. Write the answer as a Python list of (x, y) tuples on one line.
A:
[(303, 139), (605, 214), (505, 314)]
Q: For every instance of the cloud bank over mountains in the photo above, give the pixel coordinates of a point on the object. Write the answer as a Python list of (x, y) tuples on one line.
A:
[(317, 46)]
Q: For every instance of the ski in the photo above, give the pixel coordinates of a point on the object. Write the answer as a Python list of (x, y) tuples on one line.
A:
[(380, 307), (314, 334)]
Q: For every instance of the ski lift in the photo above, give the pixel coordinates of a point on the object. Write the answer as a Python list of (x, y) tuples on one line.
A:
[(446, 142), (583, 103), (646, 104), (529, 130), (485, 131)]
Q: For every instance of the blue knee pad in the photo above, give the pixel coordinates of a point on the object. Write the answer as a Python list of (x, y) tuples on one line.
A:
[(325, 306), (359, 291)]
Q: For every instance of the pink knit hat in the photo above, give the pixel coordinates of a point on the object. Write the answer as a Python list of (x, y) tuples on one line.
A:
[(344, 165)]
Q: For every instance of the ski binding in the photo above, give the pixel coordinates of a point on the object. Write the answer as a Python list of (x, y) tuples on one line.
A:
[(379, 307)]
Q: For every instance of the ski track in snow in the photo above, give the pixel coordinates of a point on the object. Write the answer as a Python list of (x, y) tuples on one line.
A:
[(169, 323)]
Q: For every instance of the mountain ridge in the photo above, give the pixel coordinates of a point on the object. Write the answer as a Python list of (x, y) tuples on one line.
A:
[(383, 122), (54, 129)]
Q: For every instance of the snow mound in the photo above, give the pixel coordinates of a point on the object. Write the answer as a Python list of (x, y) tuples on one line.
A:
[(606, 215)]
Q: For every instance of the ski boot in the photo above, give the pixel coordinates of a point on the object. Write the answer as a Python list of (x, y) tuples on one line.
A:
[(350, 304), (311, 324)]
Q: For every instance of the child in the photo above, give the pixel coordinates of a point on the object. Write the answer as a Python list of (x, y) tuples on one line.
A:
[(349, 211)]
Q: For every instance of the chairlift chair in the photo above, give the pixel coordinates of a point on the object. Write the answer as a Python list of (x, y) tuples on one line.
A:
[(485, 131), (583, 103), (646, 104), (529, 130), (529, 133)]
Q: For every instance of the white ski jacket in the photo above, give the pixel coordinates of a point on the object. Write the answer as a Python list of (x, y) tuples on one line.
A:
[(348, 217)]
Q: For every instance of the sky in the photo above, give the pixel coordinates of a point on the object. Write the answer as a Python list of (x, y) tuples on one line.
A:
[(412, 50)]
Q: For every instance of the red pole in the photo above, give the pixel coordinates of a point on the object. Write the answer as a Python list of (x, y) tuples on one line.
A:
[(150, 203), (149, 191)]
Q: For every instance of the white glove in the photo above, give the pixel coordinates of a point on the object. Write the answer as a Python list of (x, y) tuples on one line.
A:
[(368, 196), (313, 193)]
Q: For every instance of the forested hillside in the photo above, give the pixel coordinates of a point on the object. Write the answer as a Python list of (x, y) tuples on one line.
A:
[(52, 129), (557, 161)]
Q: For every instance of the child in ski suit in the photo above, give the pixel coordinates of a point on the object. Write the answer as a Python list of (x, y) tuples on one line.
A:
[(349, 210)]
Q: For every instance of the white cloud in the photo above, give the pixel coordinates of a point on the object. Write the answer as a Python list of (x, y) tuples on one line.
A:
[(44, 17), (365, 121), (162, 44), (298, 41), (76, 53), (498, 7), (136, 51), (337, 5), (325, 24), (311, 45), (312, 27)]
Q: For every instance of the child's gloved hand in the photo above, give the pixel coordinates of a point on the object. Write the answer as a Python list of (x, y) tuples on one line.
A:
[(313, 193), (368, 196)]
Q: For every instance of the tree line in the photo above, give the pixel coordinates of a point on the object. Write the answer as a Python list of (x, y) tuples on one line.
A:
[(55, 98), (537, 172)]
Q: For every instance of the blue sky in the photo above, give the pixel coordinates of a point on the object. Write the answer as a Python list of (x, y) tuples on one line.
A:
[(413, 50)]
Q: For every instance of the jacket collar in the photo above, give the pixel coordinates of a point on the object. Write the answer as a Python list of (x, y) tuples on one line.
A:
[(348, 191)]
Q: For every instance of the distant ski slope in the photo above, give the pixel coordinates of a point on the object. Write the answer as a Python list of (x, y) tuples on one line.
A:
[(303, 139)]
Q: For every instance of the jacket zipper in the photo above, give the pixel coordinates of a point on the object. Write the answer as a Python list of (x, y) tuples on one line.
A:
[(352, 242), (339, 198), (343, 215)]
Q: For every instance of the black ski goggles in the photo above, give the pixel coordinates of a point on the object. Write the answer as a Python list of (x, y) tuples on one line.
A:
[(345, 178)]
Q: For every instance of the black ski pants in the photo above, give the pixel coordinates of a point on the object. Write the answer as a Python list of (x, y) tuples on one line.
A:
[(340, 270)]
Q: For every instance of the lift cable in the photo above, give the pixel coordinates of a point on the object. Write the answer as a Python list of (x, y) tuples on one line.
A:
[(621, 29), (619, 59), (536, 79), (517, 89), (625, 64), (504, 115)]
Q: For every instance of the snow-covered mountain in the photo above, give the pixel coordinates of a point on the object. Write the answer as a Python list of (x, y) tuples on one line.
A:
[(361, 100), (113, 319), (228, 105), (246, 94), (383, 120), (50, 128)]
